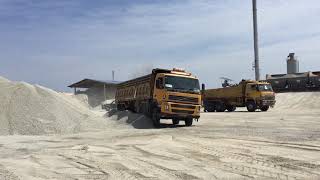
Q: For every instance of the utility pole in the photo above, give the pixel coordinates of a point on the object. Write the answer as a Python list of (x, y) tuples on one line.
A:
[(255, 37)]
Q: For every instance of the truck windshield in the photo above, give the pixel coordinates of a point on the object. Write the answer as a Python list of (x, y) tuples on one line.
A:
[(182, 84), (264, 87)]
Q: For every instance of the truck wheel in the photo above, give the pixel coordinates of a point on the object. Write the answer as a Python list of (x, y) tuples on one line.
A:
[(156, 118), (210, 109), (137, 108), (251, 106), (188, 121), (120, 107), (175, 121), (220, 107), (231, 108), (264, 108)]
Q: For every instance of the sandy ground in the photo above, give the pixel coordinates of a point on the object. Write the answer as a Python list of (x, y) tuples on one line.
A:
[(283, 143)]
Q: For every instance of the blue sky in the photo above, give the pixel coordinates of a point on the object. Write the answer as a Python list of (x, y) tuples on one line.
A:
[(55, 43)]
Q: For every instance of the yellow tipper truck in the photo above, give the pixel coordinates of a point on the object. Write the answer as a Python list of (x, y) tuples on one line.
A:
[(163, 94), (251, 94)]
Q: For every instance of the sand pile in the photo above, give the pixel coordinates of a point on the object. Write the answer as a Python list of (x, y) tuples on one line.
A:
[(34, 110), (307, 101)]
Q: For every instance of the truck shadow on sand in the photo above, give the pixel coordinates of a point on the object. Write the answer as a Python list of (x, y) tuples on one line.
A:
[(136, 120)]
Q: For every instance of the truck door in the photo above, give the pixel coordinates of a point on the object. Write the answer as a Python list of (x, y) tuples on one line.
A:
[(250, 92), (159, 92)]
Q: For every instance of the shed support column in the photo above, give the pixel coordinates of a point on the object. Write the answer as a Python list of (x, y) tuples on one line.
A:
[(104, 92), (75, 90)]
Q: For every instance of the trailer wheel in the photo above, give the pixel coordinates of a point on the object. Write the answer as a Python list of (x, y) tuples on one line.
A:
[(175, 121), (156, 118), (210, 108), (188, 121), (120, 107), (231, 108), (137, 107), (132, 107), (220, 107), (251, 106), (264, 108)]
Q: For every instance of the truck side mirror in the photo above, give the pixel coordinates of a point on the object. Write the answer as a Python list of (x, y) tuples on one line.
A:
[(203, 87), (159, 83)]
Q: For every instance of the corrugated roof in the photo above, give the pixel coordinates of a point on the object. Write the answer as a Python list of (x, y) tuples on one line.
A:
[(87, 83)]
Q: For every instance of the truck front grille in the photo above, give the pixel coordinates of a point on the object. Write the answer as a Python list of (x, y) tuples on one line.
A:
[(183, 99), (182, 111), (183, 106)]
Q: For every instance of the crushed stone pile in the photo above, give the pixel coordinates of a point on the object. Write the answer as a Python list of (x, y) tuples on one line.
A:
[(298, 101), (27, 109)]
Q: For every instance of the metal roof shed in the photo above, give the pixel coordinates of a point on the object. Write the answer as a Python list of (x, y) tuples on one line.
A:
[(92, 83), (87, 83)]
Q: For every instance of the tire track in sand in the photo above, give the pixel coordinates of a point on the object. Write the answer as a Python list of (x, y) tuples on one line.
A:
[(109, 169), (253, 166)]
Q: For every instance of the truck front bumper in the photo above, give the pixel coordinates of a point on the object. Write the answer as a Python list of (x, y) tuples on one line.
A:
[(267, 103), (171, 110)]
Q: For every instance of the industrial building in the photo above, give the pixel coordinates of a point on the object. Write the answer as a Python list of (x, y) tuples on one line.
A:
[(97, 91), (294, 81)]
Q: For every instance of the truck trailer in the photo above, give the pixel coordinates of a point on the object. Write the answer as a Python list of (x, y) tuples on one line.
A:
[(251, 94), (163, 94)]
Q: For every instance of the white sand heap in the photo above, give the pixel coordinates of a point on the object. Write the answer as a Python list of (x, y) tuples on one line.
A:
[(306, 101), (34, 110)]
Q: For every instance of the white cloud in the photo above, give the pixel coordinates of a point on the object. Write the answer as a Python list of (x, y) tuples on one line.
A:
[(211, 38)]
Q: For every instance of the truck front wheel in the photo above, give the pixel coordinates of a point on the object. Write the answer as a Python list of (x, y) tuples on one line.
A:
[(175, 121), (210, 108), (251, 106), (156, 118), (220, 107), (264, 108), (231, 108), (188, 121)]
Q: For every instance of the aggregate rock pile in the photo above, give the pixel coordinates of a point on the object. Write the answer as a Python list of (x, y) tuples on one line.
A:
[(298, 101), (27, 109)]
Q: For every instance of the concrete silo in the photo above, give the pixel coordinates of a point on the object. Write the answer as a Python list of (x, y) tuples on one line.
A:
[(292, 64)]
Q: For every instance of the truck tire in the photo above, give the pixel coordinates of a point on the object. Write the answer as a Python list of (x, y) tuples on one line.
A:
[(132, 107), (211, 108), (264, 108), (188, 121), (175, 121), (120, 107), (137, 108), (231, 108), (156, 118), (220, 107), (251, 106)]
